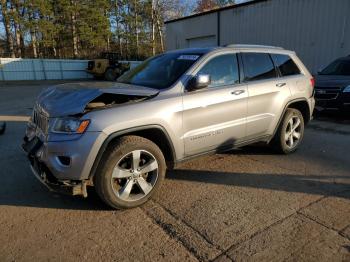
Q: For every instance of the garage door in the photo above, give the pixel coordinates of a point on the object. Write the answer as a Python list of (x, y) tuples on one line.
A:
[(205, 41)]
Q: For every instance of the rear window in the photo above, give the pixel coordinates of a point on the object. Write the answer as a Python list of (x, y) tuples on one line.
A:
[(338, 67), (258, 66), (285, 64)]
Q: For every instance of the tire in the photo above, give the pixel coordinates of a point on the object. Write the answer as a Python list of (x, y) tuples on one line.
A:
[(290, 132), (117, 180), (110, 74)]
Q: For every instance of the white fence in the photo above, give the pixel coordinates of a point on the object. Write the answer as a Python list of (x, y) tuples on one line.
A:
[(44, 69)]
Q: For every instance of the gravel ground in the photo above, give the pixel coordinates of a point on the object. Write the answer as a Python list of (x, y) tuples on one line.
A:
[(244, 205)]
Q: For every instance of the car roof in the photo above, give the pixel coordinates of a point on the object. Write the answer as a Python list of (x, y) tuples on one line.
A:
[(238, 47), (197, 50), (345, 58)]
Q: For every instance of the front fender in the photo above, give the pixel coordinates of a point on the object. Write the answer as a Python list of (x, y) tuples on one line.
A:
[(123, 132)]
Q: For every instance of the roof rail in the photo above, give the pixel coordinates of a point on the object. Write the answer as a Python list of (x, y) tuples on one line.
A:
[(253, 46)]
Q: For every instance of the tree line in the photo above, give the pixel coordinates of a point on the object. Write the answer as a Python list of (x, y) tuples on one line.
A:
[(85, 28)]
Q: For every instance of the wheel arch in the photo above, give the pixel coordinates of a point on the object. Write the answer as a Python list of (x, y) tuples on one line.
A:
[(155, 133), (303, 106), (300, 104)]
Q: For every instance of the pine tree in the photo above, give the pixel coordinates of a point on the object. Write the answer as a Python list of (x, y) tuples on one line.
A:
[(83, 29), (7, 26)]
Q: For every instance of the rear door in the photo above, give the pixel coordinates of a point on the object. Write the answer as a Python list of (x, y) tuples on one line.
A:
[(266, 94), (215, 116)]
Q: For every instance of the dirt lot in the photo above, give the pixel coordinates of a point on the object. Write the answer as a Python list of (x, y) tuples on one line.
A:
[(248, 204)]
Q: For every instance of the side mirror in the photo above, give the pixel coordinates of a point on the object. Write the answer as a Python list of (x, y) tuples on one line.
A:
[(199, 82)]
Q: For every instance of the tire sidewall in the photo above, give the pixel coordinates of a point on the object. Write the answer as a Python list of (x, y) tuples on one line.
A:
[(105, 175), (289, 114)]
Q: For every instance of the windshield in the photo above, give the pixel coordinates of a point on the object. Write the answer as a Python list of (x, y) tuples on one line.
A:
[(338, 67), (161, 71)]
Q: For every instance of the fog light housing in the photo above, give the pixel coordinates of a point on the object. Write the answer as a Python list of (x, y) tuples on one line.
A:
[(64, 160)]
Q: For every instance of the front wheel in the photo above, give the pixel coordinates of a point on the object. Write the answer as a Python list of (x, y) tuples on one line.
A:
[(290, 132), (130, 172)]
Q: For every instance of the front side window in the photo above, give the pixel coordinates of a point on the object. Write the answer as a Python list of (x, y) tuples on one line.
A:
[(258, 66), (161, 71), (338, 67), (223, 70), (285, 64)]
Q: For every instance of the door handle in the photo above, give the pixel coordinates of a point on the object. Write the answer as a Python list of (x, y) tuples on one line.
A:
[(237, 92), (280, 84)]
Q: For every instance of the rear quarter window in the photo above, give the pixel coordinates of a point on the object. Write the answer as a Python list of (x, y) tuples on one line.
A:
[(285, 65)]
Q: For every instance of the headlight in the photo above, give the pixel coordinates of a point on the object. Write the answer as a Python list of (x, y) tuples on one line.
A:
[(70, 126), (346, 89)]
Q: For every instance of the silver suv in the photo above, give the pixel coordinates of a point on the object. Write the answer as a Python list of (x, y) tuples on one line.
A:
[(120, 137)]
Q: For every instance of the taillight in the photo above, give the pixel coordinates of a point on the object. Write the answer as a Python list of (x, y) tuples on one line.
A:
[(312, 82)]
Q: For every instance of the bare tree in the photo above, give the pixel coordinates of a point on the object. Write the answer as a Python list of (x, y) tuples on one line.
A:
[(206, 5)]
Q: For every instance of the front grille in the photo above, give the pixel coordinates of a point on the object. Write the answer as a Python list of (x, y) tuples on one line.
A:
[(40, 121), (327, 93)]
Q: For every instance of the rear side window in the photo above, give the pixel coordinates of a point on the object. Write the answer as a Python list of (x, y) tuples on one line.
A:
[(223, 70), (258, 66), (285, 64)]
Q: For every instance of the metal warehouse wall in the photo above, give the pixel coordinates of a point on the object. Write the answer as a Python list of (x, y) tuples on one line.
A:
[(45, 69), (42, 69), (318, 30), (178, 34)]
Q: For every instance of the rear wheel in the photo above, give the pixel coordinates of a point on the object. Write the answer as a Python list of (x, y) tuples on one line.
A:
[(290, 132), (130, 173)]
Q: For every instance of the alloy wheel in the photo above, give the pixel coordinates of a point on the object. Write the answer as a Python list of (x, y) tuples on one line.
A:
[(135, 175), (293, 132)]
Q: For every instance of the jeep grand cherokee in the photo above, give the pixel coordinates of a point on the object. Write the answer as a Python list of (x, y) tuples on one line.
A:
[(120, 137)]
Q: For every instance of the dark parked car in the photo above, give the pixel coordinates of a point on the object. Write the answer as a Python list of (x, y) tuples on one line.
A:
[(333, 85)]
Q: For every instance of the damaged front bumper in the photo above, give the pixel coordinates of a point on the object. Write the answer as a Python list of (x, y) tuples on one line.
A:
[(34, 149)]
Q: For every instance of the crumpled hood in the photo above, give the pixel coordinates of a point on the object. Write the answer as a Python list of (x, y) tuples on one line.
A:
[(71, 99), (329, 81)]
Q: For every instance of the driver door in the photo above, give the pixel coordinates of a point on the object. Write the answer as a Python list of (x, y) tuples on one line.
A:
[(215, 116)]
